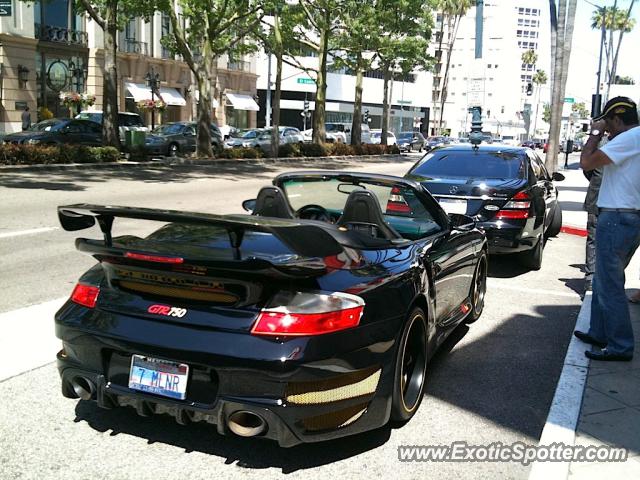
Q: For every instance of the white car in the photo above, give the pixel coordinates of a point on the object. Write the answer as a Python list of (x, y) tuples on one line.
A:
[(376, 136)]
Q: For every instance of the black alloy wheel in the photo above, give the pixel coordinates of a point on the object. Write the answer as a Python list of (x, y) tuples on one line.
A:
[(478, 290), (532, 259), (411, 367)]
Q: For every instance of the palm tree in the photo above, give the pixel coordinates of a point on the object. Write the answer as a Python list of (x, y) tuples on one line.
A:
[(539, 79), (530, 57), (451, 11), (624, 24)]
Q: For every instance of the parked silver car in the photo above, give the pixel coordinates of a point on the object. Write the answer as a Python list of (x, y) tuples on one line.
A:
[(244, 138), (287, 135)]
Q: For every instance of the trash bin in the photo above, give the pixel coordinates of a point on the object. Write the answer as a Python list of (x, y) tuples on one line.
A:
[(138, 138), (127, 138)]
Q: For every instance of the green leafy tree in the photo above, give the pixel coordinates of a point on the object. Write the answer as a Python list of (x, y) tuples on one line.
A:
[(355, 44), (308, 28), (205, 30), (111, 16), (404, 30), (530, 57), (546, 113), (626, 80), (580, 109)]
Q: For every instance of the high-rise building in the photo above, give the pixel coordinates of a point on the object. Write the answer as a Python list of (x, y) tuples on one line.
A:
[(498, 80)]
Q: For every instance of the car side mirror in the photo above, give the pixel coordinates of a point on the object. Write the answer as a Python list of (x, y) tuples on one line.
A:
[(249, 205), (557, 177), (462, 222)]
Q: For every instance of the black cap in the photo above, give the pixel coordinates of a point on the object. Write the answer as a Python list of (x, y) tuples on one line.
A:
[(616, 105)]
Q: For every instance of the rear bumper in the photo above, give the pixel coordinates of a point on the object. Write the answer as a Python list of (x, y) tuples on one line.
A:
[(504, 237), (299, 401)]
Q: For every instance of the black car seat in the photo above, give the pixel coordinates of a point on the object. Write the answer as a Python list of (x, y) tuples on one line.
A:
[(271, 202), (363, 214)]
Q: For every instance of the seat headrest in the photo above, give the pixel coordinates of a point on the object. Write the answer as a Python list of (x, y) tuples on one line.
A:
[(361, 209), (271, 202)]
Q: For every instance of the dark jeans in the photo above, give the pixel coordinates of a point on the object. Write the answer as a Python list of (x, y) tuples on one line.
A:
[(617, 238), (590, 258)]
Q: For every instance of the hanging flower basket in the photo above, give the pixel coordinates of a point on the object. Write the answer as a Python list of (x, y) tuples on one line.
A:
[(75, 99), (152, 105)]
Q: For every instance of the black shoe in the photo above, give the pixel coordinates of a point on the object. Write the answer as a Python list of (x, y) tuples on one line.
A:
[(586, 338), (607, 356)]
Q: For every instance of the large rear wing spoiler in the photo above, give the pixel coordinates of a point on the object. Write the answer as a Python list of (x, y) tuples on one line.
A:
[(303, 239)]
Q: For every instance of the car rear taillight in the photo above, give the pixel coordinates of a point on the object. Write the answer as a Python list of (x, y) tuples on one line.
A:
[(396, 203), (308, 313), (516, 208), (86, 295)]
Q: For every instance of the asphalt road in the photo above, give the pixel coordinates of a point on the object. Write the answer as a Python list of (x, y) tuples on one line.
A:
[(491, 382)]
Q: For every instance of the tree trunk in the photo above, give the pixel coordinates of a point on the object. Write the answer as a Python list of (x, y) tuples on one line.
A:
[(356, 124), (553, 14), (436, 126), (319, 132), (385, 105), (110, 130), (275, 106), (203, 77), (551, 160)]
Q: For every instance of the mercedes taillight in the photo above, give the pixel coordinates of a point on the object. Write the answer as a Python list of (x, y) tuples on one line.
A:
[(516, 208)]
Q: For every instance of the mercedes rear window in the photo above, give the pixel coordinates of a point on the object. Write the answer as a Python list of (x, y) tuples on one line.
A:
[(469, 163)]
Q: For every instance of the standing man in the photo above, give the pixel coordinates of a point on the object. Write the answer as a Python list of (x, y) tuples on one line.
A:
[(618, 230), (26, 119), (591, 207)]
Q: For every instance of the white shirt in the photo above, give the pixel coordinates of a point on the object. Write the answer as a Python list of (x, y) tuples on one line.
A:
[(621, 179)]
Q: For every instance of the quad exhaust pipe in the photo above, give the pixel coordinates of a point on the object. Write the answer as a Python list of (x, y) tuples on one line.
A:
[(83, 387), (246, 424)]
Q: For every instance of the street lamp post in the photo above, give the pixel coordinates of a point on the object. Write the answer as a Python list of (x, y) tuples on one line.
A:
[(153, 81), (79, 77)]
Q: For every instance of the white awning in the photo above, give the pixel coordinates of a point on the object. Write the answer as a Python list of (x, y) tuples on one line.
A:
[(170, 96), (242, 102)]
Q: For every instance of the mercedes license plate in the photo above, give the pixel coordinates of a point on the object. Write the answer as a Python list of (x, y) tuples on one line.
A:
[(453, 205), (160, 377)]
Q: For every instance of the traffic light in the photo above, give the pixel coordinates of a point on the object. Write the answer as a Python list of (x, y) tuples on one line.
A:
[(366, 118), (529, 88), (475, 137), (306, 108)]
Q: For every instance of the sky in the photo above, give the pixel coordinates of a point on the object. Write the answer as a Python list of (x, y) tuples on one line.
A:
[(581, 83)]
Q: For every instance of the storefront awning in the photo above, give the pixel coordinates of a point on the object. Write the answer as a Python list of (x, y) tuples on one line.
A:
[(170, 96), (242, 102)]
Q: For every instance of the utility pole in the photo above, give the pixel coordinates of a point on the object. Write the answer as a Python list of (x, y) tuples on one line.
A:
[(267, 115), (479, 15), (596, 103)]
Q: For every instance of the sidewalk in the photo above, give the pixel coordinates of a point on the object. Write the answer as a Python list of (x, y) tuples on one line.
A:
[(596, 403)]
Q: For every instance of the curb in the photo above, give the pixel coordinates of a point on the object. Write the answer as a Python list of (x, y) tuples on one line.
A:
[(564, 413), (178, 162), (571, 230)]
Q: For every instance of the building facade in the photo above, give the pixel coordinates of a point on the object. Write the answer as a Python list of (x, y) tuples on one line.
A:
[(410, 100), (46, 49)]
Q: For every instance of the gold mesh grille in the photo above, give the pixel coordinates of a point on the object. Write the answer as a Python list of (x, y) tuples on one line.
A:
[(351, 385), (333, 420), (176, 292)]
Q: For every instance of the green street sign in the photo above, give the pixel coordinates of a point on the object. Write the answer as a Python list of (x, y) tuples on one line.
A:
[(5, 8), (305, 81), (404, 102), (569, 100)]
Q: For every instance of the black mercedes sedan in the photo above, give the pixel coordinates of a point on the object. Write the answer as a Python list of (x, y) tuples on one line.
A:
[(311, 317), (58, 131), (507, 190)]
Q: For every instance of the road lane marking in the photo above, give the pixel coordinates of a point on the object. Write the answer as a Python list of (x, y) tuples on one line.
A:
[(28, 338), (500, 284), (27, 232)]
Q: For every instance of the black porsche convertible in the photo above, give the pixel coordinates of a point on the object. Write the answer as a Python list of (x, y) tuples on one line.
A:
[(312, 317)]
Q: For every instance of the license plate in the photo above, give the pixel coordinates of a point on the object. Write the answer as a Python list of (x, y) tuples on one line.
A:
[(160, 377), (453, 205)]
